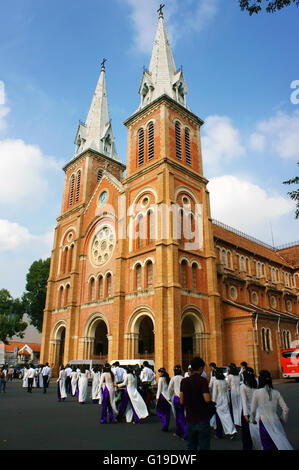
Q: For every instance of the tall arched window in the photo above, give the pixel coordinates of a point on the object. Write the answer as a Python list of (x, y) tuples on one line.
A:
[(194, 276), (101, 292), (109, 284), (72, 189), (140, 147), (60, 296), (91, 289), (149, 274), (178, 146), (187, 146), (151, 141), (64, 260), (138, 276), (150, 226), (66, 295), (140, 231), (184, 273), (78, 186)]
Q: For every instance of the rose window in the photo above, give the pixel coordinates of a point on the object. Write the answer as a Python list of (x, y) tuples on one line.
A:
[(102, 245)]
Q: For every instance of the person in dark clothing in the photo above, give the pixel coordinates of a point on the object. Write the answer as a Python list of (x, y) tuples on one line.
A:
[(194, 395)]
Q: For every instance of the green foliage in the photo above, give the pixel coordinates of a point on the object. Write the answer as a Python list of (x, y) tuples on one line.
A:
[(36, 289), (11, 313), (255, 6), (294, 194)]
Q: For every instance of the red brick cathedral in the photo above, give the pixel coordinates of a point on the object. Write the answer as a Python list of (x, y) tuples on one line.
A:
[(139, 269)]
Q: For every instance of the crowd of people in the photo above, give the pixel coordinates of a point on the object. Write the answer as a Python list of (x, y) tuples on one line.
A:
[(238, 401)]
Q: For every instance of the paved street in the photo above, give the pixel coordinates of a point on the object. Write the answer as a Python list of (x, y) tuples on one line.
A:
[(40, 422)]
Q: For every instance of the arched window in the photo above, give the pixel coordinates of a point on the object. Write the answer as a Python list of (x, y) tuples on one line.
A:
[(109, 284), (91, 289), (70, 259), (66, 295), (138, 276), (184, 273), (72, 189), (101, 292), (194, 276), (242, 264), (78, 186), (149, 274), (64, 260), (141, 147), (151, 141), (266, 339), (178, 146), (60, 296), (187, 146), (150, 226), (139, 231), (223, 257)]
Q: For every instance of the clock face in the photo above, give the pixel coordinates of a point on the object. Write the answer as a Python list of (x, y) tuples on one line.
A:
[(103, 197)]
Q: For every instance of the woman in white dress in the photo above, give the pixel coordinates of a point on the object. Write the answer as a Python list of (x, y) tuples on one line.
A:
[(250, 433), (177, 408), (82, 385), (61, 390), (74, 380), (233, 382), (264, 407), (132, 403), (106, 388), (223, 421), (25, 376), (163, 402), (96, 375)]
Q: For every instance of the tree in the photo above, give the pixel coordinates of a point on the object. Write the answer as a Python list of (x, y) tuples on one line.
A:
[(11, 314), (36, 289), (254, 6), (294, 194)]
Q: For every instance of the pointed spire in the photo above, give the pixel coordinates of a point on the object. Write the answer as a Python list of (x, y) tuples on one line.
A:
[(162, 76), (97, 133)]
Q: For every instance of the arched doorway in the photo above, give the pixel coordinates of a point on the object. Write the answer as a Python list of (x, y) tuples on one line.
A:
[(100, 349), (61, 346), (140, 339), (187, 342), (96, 338), (146, 341), (193, 337)]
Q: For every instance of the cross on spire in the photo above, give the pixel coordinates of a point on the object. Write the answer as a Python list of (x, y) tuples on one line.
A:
[(160, 10), (103, 64)]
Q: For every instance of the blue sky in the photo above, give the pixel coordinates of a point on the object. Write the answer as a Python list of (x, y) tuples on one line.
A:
[(238, 70)]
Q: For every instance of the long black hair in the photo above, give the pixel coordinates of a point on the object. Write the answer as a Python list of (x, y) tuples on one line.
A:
[(265, 381), (177, 370), (232, 369), (219, 374), (165, 374), (107, 368), (249, 378)]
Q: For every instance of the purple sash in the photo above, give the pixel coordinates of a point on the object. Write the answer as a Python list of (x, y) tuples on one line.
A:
[(181, 425), (106, 406), (123, 406), (266, 440), (246, 436), (219, 428), (163, 411), (58, 392)]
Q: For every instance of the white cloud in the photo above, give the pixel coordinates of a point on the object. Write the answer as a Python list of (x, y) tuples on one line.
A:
[(245, 205), (180, 19), (221, 142), (257, 142), (14, 236), (281, 133), (4, 110), (23, 170)]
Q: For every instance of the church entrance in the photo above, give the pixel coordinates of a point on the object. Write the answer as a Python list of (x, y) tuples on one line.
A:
[(100, 350), (187, 342), (146, 341), (61, 346)]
